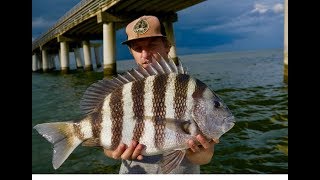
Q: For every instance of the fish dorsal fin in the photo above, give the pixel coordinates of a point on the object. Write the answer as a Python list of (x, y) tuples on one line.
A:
[(168, 66), (96, 93)]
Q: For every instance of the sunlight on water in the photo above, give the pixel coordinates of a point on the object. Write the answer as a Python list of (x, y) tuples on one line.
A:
[(250, 83)]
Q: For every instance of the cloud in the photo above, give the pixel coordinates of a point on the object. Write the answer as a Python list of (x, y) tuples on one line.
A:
[(278, 8), (252, 20), (260, 8), (210, 13), (225, 25), (40, 22)]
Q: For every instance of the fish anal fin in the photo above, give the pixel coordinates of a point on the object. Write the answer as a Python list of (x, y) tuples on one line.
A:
[(171, 160), (92, 142)]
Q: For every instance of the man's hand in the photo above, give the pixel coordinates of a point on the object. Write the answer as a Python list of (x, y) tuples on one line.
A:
[(127, 153), (200, 154)]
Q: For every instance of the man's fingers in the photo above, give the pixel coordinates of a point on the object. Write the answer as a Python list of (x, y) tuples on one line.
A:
[(140, 157), (119, 151), (192, 145), (128, 152), (137, 151), (203, 141)]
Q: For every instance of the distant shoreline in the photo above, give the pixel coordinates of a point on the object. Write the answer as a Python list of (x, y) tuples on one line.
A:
[(222, 53)]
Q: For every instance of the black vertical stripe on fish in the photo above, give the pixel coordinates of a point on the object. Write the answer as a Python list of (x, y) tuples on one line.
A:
[(96, 120), (116, 107), (159, 108), (180, 97), (137, 93), (200, 88)]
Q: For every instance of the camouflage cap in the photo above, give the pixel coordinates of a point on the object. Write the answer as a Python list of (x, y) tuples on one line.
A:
[(144, 27)]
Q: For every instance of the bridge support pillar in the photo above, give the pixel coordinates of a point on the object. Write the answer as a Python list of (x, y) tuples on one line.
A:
[(168, 25), (109, 49), (87, 56), (78, 58), (34, 62), (45, 60), (64, 56)]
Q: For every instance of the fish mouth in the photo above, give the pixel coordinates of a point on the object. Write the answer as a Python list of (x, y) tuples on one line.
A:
[(229, 120)]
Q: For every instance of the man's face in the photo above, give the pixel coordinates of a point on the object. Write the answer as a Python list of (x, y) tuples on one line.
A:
[(146, 49)]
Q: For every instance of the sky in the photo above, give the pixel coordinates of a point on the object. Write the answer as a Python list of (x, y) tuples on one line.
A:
[(207, 27)]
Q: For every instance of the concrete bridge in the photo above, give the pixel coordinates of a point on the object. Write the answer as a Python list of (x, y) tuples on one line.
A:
[(99, 20)]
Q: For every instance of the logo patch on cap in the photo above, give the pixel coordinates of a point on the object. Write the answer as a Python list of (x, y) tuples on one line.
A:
[(141, 26)]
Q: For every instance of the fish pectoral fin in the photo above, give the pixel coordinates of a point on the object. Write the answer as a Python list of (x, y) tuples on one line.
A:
[(171, 160), (180, 126), (92, 142), (177, 125)]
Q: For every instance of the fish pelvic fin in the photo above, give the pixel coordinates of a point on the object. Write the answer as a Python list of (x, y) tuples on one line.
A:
[(63, 137), (92, 142), (171, 160)]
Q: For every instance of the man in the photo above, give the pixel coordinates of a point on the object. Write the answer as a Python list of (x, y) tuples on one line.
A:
[(147, 40)]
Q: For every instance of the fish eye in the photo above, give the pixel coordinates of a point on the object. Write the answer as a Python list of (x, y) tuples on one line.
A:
[(217, 104)]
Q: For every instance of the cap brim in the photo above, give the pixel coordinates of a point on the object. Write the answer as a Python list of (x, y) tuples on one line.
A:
[(127, 41)]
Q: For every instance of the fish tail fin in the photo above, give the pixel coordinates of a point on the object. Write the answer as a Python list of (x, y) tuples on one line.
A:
[(63, 138)]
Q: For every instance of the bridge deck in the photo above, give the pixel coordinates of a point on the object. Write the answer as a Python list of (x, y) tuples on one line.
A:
[(82, 20)]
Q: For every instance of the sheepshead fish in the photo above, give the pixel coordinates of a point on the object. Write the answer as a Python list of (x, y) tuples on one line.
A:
[(160, 106)]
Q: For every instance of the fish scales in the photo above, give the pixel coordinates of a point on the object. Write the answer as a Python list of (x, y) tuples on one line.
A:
[(149, 131), (106, 123), (180, 96), (169, 106), (191, 89), (160, 108), (137, 91), (128, 114), (164, 90), (116, 108), (169, 96), (96, 122)]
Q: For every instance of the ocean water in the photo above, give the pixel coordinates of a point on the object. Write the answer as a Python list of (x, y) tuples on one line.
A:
[(250, 83)]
